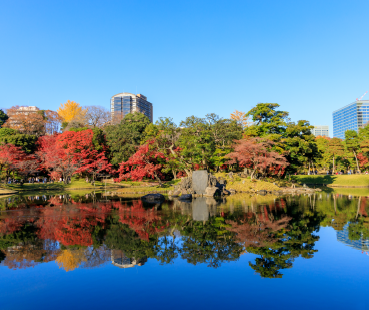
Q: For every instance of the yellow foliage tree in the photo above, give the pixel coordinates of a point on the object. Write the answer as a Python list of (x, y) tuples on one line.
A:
[(241, 118), (71, 111), (70, 260)]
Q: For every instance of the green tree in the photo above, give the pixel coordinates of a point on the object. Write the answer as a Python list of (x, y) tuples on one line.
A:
[(3, 117), (124, 138), (353, 144), (336, 149), (267, 120), (12, 136), (299, 144)]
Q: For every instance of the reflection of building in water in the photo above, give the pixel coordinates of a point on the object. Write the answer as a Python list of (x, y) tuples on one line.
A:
[(343, 236), (119, 259)]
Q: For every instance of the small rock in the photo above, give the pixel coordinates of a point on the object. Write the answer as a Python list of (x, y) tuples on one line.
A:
[(262, 192), (174, 193), (225, 192), (210, 191)]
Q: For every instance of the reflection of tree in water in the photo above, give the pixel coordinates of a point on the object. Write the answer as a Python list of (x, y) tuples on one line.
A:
[(87, 232), (210, 243), (277, 233)]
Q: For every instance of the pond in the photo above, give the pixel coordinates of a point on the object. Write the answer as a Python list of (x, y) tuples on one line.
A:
[(90, 251)]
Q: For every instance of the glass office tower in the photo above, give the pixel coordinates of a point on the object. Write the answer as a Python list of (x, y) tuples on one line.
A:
[(353, 116), (124, 103), (320, 131)]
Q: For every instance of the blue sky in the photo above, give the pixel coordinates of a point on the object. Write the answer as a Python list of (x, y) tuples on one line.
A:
[(187, 57)]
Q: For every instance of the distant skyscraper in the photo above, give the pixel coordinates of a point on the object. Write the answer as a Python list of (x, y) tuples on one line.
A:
[(124, 103), (353, 116), (320, 131)]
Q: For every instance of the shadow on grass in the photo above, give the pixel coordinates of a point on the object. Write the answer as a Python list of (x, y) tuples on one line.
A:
[(308, 179), (34, 187)]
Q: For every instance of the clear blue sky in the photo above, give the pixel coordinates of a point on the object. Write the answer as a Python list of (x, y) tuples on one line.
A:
[(187, 57)]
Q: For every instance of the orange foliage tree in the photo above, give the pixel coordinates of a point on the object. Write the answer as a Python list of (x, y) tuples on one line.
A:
[(241, 118)]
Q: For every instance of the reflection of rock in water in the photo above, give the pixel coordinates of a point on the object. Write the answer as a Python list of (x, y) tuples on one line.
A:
[(200, 208), (203, 208), (119, 259), (185, 207)]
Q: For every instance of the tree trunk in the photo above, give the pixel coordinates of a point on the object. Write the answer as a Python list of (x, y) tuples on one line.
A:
[(252, 174), (309, 168), (358, 208), (357, 163), (333, 166)]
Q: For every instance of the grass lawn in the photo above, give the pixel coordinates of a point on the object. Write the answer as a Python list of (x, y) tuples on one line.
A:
[(81, 184), (244, 184), (76, 184), (333, 180), (141, 189)]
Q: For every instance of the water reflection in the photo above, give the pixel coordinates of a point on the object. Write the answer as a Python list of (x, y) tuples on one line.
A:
[(84, 232)]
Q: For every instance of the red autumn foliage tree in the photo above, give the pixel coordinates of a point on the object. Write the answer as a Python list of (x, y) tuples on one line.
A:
[(28, 166), (70, 153), (54, 159), (84, 156), (144, 163), (10, 156), (256, 154)]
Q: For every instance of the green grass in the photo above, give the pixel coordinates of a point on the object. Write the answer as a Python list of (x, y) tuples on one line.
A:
[(333, 180), (126, 186), (244, 184), (75, 184), (347, 191)]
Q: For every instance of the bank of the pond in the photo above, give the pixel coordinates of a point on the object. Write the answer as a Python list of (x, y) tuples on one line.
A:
[(7, 192), (353, 181), (75, 185)]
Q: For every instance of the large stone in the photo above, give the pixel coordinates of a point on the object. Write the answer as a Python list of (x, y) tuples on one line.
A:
[(200, 181), (153, 198), (185, 197), (211, 191)]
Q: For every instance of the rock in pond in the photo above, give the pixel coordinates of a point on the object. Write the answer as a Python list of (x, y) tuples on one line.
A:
[(211, 191), (153, 198), (185, 197)]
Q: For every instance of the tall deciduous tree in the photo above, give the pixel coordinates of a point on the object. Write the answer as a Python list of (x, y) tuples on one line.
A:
[(97, 116), (72, 111), (241, 118)]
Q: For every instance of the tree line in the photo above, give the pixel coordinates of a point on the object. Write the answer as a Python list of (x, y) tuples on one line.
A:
[(83, 141)]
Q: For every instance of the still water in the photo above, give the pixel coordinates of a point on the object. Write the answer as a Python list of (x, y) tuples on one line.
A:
[(88, 251)]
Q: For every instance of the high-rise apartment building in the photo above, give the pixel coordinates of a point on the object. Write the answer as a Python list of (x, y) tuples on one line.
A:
[(124, 103), (320, 131), (352, 116)]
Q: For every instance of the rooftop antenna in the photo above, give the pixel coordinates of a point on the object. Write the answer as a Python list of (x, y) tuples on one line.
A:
[(357, 99)]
